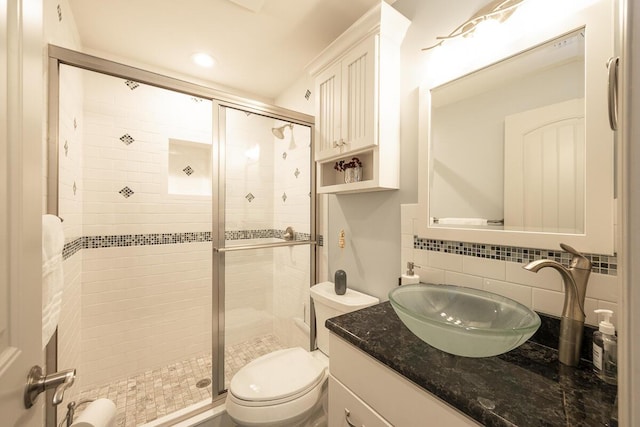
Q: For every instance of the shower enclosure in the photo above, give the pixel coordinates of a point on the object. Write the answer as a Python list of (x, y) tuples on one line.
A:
[(189, 235)]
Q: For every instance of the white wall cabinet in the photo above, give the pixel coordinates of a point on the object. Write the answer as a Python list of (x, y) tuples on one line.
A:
[(357, 86), (377, 396), (345, 103)]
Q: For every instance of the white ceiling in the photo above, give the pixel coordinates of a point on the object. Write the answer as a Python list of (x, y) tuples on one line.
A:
[(261, 52)]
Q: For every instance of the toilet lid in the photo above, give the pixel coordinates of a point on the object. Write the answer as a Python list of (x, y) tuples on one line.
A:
[(281, 375)]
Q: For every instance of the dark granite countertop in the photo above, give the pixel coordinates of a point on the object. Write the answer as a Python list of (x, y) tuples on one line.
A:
[(524, 387)]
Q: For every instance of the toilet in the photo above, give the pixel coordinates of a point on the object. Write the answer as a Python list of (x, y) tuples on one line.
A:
[(289, 387)]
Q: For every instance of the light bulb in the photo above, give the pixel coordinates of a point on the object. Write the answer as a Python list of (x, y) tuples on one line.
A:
[(203, 60)]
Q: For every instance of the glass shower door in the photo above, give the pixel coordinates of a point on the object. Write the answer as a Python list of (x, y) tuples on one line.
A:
[(265, 257), (134, 189)]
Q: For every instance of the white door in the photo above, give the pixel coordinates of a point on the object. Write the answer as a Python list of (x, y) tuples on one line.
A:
[(21, 116), (544, 172)]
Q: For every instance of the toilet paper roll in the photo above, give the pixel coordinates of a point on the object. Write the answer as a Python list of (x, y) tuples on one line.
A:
[(99, 413)]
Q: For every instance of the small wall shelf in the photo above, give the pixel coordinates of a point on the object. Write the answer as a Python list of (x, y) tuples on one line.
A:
[(331, 181)]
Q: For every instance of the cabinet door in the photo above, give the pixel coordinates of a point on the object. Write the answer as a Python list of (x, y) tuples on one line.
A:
[(328, 139), (360, 95), (346, 409)]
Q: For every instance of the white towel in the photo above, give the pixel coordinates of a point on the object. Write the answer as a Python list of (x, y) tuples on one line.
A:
[(52, 276), (462, 221)]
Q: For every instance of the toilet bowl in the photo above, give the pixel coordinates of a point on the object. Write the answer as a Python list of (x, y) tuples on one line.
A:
[(288, 388)]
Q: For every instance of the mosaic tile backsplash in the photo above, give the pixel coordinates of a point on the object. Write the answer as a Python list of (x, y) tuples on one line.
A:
[(602, 264)]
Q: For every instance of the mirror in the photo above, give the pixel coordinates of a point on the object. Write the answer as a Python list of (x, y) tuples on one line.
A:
[(520, 152), (508, 140)]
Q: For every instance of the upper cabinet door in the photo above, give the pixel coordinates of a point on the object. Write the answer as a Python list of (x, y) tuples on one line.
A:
[(345, 103), (328, 114), (359, 96)]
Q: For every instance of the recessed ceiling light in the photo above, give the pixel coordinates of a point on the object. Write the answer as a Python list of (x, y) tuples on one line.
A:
[(203, 60)]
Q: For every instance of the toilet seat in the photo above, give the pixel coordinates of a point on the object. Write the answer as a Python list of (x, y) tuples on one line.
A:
[(277, 378)]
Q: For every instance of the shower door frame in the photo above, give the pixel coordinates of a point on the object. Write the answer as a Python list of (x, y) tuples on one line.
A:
[(220, 100)]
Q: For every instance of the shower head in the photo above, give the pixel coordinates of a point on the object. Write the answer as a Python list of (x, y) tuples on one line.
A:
[(279, 132)]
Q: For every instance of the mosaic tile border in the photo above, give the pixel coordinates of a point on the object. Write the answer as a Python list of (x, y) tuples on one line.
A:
[(601, 264), (94, 242), (70, 248), (124, 240)]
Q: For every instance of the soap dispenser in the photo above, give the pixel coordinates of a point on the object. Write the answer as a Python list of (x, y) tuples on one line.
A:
[(605, 349)]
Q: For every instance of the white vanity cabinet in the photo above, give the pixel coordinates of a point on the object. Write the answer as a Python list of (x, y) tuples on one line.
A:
[(375, 395), (357, 86), (345, 407)]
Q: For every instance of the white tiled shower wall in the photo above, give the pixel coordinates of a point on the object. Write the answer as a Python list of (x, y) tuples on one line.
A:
[(542, 291), (150, 116), (276, 175), (130, 309), (249, 206), (142, 306), (292, 175)]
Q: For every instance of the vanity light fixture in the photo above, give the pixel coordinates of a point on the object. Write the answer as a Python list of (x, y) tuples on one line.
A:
[(203, 59), (496, 11)]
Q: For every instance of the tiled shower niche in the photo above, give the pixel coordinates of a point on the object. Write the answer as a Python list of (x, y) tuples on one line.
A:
[(189, 168)]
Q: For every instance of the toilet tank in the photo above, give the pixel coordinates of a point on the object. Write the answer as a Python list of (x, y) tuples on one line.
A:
[(328, 304)]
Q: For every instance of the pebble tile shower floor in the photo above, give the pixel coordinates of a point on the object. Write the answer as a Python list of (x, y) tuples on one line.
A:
[(158, 392)]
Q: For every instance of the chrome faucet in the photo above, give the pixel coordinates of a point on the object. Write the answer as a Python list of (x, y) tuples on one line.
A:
[(575, 280)]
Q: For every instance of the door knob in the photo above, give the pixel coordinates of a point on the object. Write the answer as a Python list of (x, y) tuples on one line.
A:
[(37, 382)]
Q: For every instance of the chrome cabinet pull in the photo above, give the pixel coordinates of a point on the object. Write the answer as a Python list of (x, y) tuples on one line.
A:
[(37, 382), (612, 67), (346, 418)]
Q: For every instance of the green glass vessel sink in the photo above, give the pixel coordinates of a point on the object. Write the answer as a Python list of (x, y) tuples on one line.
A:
[(464, 321)]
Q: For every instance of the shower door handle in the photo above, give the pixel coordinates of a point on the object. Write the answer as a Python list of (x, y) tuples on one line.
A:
[(265, 246), (612, 68)]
